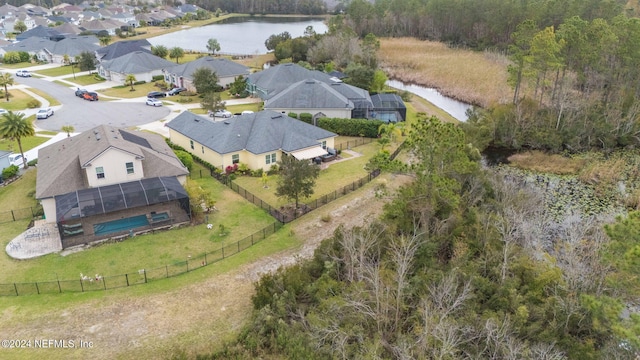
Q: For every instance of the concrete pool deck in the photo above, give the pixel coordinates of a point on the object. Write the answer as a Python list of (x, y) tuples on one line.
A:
[(42, 239)]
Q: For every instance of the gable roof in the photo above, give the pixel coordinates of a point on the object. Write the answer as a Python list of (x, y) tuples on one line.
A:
[(309, 94), (222, 67), (136, 62), (258, 133), (42, 32), (61, 164), (277, 78), (99, 25), (67, 28), (75, 45), (121, 48), (31, 44)]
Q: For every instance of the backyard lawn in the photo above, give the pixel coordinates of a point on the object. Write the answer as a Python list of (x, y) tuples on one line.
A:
[(238, 216), (336, 176)]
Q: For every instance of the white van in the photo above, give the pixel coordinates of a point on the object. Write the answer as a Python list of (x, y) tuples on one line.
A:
[(15, 159)]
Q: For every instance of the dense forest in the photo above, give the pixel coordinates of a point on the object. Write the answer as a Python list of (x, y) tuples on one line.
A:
[(468, 261)]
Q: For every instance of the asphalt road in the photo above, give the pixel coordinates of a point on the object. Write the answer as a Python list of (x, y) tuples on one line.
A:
[(84, 115)]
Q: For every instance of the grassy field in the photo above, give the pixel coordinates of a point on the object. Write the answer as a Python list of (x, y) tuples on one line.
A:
[(18, 100), (470, 76), (125, 91), (28, 143), (336, 176), (59, 71), (84, 80), (52, 101)]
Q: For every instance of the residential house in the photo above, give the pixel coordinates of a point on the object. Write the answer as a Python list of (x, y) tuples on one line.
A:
[(121, 48), (143, 65), (72, 46), (41, 32), (268, 83), (108, 182), (68, 29), (33, 45), (34, 10), (99, 26), (226, 70), (4, 161), (128, 19), (258, 140), (10, 22), (314, 97)]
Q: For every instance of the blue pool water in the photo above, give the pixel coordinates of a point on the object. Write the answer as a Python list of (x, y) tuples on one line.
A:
[(120, 225)]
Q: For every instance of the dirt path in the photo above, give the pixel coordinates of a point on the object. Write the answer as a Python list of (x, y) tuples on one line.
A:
[(186, 319)]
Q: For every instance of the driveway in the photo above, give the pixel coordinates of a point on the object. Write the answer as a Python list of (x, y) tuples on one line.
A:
[(84, 115)]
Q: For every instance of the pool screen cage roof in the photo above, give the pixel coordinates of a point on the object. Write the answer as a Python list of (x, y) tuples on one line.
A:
[(112, 198)]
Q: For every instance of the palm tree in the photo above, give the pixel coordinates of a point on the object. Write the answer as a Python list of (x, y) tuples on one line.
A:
[(15, 126), (176, 53), (68, 129), (5, 80), (130, 78)]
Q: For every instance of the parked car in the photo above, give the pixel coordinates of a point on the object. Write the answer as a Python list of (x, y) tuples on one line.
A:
[(156, 94), (246, 112), (44, 113), (23, 73), (221, 113), (16, 159), (91, 96), (153, 102), (176, 91), (81, 92)]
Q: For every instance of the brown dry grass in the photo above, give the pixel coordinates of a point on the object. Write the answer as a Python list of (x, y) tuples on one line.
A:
[(470, 76), (546, 163), (604, 172)]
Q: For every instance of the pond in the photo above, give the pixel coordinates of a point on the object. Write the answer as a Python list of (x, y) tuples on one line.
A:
[(239, 35), (453, 107)]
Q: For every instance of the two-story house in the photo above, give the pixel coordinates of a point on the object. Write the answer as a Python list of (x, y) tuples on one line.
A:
[(108, 182)]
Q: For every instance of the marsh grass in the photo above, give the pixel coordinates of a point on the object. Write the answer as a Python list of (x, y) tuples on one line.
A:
[(547, 163), (474, 77)]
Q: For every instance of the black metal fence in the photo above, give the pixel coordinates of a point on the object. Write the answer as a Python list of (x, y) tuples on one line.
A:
[(142, 276), (353, 143), (20, 214)]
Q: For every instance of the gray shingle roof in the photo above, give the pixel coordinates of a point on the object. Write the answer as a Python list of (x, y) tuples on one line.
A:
[(75, 45), (277, 78), (309, 94), (121, 48), (136, 62), (39, 31), (222, 67), (30, 44), (257, 133), (61, 165)]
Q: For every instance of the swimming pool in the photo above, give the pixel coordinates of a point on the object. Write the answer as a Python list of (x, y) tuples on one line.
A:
[(120, 225)]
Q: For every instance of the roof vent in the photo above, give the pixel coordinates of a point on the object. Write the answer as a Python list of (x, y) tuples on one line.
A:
[(98, 137), (277, 117), (196, 120), (238, 135), (226, 122)]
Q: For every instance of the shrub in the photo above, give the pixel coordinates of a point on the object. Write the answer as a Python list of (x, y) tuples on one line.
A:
[(292, 115), (231, 169), (306, 117), (188, 93), (33, 162), (257, 173), (351, 127), (139, 82), (326, 218), (185, 157), (243, 168), (33, 104), (11, 57), (158, 78), (273, 169), (10, 172)]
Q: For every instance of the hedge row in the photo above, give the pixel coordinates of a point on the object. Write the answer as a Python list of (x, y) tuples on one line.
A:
[(351, 127)]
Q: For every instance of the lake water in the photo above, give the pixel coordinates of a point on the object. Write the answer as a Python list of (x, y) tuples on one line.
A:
[(455, 108), (239, 35)]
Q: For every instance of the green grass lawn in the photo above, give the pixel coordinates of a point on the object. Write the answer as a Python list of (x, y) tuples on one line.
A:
[(142, 252), (125, 91), (52, 101), (28, 143), (22, 65), (59, 71), (18, 100), (83, 80), (336, 176)]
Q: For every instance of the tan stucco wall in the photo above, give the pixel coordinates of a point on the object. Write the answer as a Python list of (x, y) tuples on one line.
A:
[(49, 207), (207, 154), (115, 171)]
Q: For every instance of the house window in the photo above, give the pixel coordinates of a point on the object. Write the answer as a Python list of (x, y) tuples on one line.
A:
[(129, 167), (324, 144), (203, 149), (100, 172), (191, 143), (235, 158), (271, 158)]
